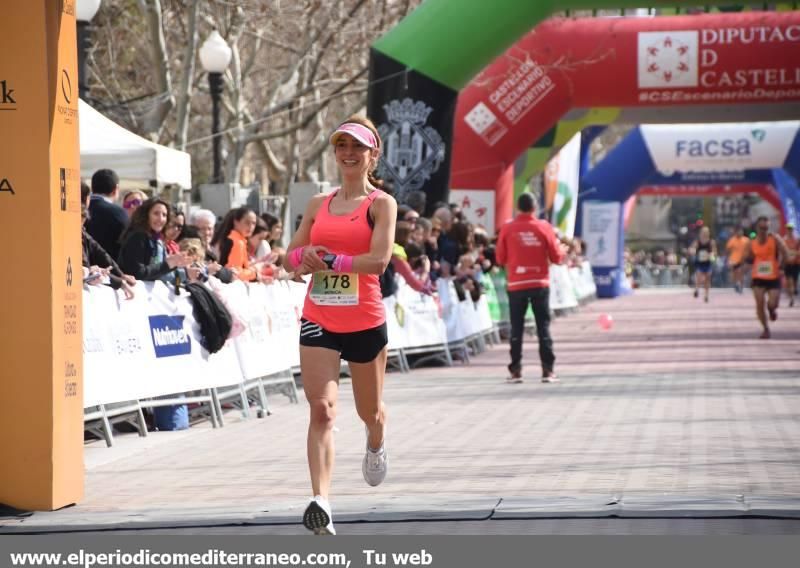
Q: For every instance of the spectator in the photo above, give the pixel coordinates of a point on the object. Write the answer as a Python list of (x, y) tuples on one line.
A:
[(107, 220), (143, 253), (96, 261), (422, 230), (419, 263), (447, 247), (203, 221), (210, 261), (400, 262), (172, 232), (192, 248), (417, 200), (132, 200), (275, 228), (411, 216), (432, 243), (258, 251), (257, 243), (231, 238)]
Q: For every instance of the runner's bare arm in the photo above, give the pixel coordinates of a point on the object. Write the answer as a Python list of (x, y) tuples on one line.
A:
[(785, 252), (302, 236), (384, 213)]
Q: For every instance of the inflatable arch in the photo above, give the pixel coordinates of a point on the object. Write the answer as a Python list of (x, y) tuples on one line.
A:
[(722, 154), (673, 69), (418, 68)]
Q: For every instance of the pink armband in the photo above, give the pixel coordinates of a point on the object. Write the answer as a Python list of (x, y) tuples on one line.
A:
[(343, 263), (296, 257)]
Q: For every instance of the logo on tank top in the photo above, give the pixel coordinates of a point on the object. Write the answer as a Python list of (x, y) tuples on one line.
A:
[(413, 151), (354, 218)]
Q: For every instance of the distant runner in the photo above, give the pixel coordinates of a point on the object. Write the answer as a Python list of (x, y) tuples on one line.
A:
[(704, 250), (765, 253), (792, 266), (736, 247)]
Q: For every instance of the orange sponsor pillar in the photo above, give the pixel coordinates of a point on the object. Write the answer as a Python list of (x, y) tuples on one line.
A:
[(41, 390)]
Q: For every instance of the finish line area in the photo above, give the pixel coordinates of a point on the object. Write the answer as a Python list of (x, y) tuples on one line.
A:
[(677, 411)]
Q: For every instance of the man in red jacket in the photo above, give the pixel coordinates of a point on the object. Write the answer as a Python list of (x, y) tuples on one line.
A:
[(526, 246)]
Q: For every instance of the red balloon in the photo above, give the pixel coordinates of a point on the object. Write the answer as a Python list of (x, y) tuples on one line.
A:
[(605, 322)]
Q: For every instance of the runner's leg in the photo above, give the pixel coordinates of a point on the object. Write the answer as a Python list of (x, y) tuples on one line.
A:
[(517, 306), (367, 381), (320, 369), (758, 294)]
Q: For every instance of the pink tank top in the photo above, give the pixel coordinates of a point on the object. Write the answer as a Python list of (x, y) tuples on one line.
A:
[(347, 308)]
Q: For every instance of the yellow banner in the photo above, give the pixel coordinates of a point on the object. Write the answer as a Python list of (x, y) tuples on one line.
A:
[(41, 392)]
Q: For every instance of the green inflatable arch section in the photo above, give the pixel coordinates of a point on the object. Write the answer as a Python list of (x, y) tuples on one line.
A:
[(450, 41)]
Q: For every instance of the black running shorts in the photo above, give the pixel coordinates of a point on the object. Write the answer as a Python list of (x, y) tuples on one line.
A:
[(356, 347), (766, 284), (792, 270)]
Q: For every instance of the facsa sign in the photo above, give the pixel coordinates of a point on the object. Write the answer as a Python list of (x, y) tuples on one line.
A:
[(719, 147)]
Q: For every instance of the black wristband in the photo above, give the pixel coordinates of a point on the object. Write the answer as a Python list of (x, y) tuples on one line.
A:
[(329, 259)]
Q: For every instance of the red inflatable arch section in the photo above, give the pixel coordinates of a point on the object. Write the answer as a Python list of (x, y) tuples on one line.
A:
[(711, 59)]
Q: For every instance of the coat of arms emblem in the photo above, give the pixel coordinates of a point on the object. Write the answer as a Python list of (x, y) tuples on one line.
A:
[(413, 152)]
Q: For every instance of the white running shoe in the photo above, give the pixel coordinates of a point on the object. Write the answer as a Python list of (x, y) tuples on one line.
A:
[(375, 464), (318, 517)]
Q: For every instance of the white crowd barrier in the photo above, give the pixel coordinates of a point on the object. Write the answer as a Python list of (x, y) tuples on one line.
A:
[(152, 346), (570, 286), (145, 347), (583, 281)]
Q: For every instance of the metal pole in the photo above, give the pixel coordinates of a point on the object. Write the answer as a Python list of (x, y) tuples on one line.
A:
[(215, 86), (84, 42)]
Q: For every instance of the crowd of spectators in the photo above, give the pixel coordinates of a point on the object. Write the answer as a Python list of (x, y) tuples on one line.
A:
[(145, 238), (133, 237)]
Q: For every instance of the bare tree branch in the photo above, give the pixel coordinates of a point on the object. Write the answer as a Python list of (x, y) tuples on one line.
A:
[(185, 93), (154, 119)]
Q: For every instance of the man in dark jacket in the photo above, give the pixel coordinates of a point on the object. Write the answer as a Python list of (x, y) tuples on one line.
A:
[(107, 220), (96, 260)]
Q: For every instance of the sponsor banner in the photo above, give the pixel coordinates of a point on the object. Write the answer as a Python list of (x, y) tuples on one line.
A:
[(477, 206), (601, 232), (169, 336), (562, 183), (414, 116), (719, 147)]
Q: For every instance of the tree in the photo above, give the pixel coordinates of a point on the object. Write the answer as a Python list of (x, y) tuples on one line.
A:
[(297, 69)]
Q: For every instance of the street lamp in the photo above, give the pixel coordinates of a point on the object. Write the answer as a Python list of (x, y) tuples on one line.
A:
[(215, 55), (84, 12)]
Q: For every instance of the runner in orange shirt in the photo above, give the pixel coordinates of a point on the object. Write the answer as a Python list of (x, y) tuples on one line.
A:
[(765, 253), (736, 247), (791, 267)]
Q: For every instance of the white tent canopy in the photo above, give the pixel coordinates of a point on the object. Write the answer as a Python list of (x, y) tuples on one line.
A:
[(105, 144)]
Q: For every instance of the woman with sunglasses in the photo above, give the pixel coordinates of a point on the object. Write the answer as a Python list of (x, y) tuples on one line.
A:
[(172, 232), (132, 201), (345, 242)]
